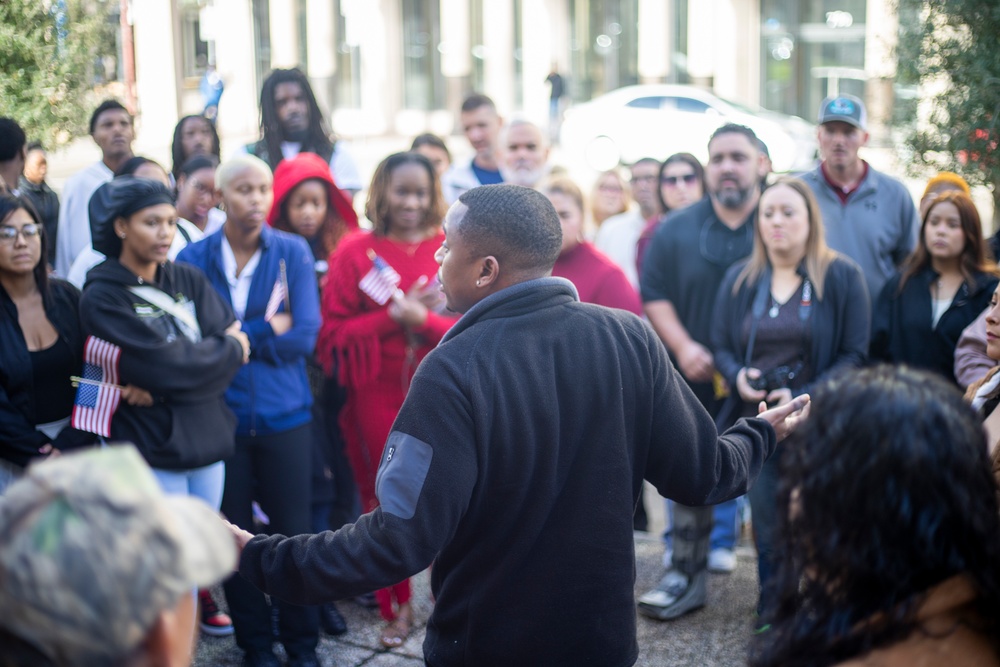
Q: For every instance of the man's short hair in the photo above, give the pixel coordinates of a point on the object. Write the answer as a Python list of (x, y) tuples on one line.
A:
[(34, 146), (12, 139), (477, 100), (92, 551), (646, 160), (106, 105), (736, 128), (517, 225)]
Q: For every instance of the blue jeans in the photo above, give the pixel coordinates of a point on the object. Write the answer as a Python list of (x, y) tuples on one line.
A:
[(726, 526), (205, 483)]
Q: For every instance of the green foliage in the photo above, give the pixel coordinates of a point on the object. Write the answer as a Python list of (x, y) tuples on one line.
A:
[(47, 72), (950, 48)]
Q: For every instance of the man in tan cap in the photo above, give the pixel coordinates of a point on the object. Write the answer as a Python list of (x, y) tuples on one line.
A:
[(99, 567)]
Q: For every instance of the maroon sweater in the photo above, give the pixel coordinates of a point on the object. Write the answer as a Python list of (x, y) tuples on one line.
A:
[(597, 279)]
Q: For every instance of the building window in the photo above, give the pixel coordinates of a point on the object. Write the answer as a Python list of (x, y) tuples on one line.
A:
[(423, 84), (810, 50), (604, 45), (348, 15), (476, 46), (195, 50), (262, 38)]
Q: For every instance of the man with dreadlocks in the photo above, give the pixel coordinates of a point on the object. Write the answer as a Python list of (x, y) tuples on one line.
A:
[(291, 122)]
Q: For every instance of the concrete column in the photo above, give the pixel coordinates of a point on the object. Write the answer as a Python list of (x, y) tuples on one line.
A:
[(322, 44), (537, 53), (708, 38), (157, 68), (881, 36), (284, 34), (369, 26), (234, 58), (654, 44), (456, 59), (498, 68)]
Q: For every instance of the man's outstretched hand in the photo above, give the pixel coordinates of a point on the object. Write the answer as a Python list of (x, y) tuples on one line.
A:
[(240, 536), (785, 418)]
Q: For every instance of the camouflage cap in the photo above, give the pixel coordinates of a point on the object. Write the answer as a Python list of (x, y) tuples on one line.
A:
[(91, 551)]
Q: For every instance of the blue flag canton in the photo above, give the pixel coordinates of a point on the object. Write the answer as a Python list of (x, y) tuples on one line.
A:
[(87, 395)]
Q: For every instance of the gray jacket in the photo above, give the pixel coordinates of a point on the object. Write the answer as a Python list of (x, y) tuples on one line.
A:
[(877, 228)]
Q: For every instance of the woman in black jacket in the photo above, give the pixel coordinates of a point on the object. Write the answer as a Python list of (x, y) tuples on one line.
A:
[(41, 347), (943, 286), (790, 315), (183, 349)]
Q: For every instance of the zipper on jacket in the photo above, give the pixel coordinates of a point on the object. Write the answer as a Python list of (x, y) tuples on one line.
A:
[(253, 411)]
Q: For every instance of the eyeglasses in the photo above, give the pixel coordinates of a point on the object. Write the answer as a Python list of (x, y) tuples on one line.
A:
[(642, 179), (9, 234), (688, 179)]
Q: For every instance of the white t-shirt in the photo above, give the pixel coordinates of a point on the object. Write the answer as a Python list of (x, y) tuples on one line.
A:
[(618, 237), (342, 166), (74, 217), (239, 286)]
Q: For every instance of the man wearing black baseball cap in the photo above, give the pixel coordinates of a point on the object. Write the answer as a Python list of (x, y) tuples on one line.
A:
[(868, 216)]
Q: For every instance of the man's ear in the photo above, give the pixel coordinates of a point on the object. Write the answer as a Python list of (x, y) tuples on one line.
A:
[(489, 271)]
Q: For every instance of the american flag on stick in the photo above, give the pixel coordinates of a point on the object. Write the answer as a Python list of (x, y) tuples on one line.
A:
[(381, 282), (98, 392), (279, 294)]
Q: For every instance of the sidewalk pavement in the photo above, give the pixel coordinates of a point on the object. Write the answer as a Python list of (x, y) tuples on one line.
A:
[(715, 636)]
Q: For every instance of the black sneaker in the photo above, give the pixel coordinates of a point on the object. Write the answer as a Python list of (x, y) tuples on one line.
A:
[(260, 659), (331, 620)]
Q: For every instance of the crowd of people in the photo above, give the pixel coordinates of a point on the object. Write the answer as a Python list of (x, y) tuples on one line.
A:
[(463, 378)]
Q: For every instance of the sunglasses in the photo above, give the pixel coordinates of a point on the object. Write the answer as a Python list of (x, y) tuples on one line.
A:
[(9, 234), (688, 179)]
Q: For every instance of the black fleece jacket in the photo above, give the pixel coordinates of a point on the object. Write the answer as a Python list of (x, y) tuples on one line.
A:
[(189, 424), (515, 465)]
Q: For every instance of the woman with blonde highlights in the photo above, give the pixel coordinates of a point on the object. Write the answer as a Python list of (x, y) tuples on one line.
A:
[(791, 314)]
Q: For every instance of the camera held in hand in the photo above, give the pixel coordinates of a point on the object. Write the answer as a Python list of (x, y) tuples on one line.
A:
[(775, 378)]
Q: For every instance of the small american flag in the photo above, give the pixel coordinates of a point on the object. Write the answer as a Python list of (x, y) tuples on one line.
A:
[(279, 294), (274, 303), (98, 394), (381, 282)]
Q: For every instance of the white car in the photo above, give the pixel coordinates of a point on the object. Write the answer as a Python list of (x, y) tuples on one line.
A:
[(661, 119)]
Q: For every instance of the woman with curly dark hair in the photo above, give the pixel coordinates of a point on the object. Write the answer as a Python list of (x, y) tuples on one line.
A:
[(890, 530)]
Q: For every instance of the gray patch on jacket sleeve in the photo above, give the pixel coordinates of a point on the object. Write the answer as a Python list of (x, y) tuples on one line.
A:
[(401, 474)]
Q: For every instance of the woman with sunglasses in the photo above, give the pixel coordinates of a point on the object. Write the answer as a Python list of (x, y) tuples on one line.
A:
[(682, 183), (41, 346)]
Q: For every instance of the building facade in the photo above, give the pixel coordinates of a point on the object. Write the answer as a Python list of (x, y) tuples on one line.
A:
[(403, 66)]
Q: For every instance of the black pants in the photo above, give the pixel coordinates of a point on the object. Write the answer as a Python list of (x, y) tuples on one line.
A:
[(275, 470)]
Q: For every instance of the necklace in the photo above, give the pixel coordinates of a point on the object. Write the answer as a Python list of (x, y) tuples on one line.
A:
[(775, 307)]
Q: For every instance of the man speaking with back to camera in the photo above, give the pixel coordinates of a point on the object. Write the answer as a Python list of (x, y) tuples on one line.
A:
[(517, 459)]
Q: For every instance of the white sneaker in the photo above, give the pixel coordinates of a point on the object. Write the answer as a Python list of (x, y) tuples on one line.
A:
[(721, 560)]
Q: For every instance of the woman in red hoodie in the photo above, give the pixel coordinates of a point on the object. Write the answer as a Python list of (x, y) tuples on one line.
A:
[(380, 318), (307, 202)]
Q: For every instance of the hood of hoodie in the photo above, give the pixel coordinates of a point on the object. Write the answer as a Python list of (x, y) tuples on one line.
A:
[(304, 167), (113, 272)]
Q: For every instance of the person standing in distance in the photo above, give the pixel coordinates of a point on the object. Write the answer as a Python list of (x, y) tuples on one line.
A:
[(869, 216), (681, 273), (481, 125)]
